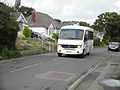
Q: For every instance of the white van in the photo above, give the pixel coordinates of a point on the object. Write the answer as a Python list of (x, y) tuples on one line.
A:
[(75, 40)]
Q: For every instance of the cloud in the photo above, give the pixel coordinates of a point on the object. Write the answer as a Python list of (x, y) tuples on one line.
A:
[(116, 6), (86, 10)]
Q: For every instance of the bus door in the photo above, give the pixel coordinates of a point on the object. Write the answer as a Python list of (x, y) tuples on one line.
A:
[(86, 42)]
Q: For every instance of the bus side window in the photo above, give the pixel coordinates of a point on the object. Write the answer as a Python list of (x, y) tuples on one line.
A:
[(90, 35)]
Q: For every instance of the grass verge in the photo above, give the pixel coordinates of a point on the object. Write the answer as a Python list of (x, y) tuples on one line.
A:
[(7, 54)]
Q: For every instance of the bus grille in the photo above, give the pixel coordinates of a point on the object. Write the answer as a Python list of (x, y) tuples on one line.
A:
[(69, 46)]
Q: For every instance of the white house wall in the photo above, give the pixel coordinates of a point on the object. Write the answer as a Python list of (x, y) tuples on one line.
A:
[(39, 30), (51, 29), (57, 30), (22, 19)]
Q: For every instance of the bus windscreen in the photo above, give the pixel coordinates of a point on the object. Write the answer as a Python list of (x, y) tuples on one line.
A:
[(71, 34)]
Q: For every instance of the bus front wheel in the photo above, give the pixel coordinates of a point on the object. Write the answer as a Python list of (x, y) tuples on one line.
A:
[(89, 51), (59, 54), (83, 54)]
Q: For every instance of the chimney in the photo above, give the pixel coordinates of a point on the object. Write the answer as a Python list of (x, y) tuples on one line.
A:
[(33, 16)]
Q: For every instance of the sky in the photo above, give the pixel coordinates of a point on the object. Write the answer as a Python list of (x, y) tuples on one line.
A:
[(72, 10)]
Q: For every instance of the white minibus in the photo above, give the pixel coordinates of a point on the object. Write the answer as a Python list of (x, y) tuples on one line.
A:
[(75, 40)]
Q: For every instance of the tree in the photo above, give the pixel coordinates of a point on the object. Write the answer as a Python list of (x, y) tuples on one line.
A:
[(109, 22), (58, 20), (25, 10), (17, 4), (27, 32), (8, 28), (97, 42), (84, 24), (55, 36)]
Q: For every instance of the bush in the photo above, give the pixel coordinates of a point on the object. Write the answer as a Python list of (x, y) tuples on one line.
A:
[(20, 36), (29, 44), (50, 40), (7, 53), (27, 32), (55, 36), (8, 28), (22, 45), (97, 42)]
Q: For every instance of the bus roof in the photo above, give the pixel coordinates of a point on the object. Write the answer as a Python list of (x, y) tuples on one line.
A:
[(77, 27)]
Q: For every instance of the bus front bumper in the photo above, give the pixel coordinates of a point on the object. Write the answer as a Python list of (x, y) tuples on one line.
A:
[(72, 51)]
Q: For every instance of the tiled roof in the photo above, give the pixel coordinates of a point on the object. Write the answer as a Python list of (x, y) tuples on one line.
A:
[(42, 20), (16, 15)]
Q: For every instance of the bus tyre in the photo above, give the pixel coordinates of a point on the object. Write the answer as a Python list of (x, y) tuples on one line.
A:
[(83, 54), (89, 51), (59, 54)]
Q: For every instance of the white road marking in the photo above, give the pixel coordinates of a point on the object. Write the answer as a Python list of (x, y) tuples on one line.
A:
[(25, 67), (48, 54), (56, 59), (95, 84)]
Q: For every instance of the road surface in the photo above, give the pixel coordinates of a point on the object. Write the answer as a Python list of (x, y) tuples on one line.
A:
[(48, 71)]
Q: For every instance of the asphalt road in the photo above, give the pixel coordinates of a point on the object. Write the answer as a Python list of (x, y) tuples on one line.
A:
[(108, 69), (47, 71)]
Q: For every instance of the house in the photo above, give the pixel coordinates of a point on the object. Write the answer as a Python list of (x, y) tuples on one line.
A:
[(42, 23), (19, 17), (98, 34)]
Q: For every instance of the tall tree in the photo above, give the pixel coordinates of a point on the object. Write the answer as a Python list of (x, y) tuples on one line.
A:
[(84, 24), (8, 27), (17, 4), (58, 20), (109, 22), (25, 10)]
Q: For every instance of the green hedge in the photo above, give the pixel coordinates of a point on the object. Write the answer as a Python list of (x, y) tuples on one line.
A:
[(27, 32), (8, 28), (6, 54)]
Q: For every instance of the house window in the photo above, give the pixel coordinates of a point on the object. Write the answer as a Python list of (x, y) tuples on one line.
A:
[(47, 31)]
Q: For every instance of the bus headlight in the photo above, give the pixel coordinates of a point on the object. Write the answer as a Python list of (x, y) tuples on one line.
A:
[(59, 45), (79, 46)]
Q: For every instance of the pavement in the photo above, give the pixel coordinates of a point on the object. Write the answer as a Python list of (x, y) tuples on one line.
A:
[(105, 77)]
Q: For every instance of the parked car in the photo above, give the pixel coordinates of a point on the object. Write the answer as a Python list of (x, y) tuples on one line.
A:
[(38, 35), (115, 46)]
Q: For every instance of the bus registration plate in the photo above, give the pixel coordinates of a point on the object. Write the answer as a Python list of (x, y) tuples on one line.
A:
[(68, 51)]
